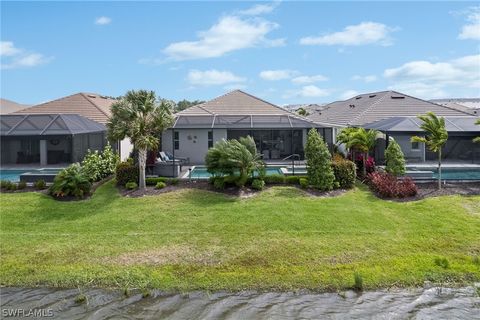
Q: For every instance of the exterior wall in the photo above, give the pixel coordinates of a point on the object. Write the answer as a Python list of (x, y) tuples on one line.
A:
[(193, 143), (411, 155), (125, 148)]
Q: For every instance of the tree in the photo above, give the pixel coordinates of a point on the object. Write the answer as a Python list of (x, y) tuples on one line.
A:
[(319, 162), (184, 104), (394, 158), (477, 139), (344, 136), (435, 138), (363, 141), (142, 118), (232, 157), (302, 112)]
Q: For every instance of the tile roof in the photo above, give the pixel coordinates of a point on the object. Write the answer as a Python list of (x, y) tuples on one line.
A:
[(412, 124), (370, 107), (8, 106), (90, 105), (47, 124)]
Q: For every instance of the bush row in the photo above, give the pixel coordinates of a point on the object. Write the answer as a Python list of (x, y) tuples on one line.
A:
[(388, 186), (12, 186), (153, 181)]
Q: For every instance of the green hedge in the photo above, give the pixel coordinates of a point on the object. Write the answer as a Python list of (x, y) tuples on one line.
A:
[(344, 171), (153, 181), (126, 172), (274, 179)]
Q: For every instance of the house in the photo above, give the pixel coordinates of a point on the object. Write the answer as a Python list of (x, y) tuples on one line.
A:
[(380, 110), (91, 106), (277, 132), (8, 106), (470, 105), (48, 138)]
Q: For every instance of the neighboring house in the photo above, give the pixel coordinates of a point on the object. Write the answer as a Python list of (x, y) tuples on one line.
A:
[(470, 105), (88, 105), (277, 132), (48, 138), (8, 106), (370, 109)]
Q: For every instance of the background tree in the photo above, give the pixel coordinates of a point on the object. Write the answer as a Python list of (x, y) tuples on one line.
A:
[(142, 118), (232, 157), (302, 112), (395, 159), (477, 139), (435, 138), (319, 162), (184, 104), (363, 141)]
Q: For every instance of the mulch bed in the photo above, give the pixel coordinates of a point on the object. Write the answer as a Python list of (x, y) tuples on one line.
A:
[(232, 191), (430, 189)]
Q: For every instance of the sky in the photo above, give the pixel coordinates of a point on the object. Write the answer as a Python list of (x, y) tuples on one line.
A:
[(284, 52)]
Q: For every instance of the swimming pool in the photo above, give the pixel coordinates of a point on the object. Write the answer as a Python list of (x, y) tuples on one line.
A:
[(467, 173), (14, 174), (199, 172)]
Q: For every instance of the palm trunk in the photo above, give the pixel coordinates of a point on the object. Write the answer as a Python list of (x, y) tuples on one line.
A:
[(439, 169), (142, 159)]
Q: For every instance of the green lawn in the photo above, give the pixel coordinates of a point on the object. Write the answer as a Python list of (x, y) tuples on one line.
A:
[(280, 239)]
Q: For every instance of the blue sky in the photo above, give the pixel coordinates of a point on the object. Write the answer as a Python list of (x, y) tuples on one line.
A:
[(284, 52)]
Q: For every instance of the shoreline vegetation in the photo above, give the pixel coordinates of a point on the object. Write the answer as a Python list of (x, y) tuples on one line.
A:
[(280, 240)]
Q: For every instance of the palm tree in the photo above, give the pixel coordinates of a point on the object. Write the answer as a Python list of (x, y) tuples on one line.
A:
[(364, 141), (142, 118), (477, 139), (302, 112), (435, 138), (344, 136)]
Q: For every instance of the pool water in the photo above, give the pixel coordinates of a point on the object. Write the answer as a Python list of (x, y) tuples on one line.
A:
[(14, 174), (458, 174), (202, 173)]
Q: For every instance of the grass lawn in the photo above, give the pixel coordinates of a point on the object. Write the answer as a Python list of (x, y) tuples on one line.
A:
[(280, 239)]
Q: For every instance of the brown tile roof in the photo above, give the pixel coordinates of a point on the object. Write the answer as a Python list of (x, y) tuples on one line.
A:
[(235, 103), (370, 107), (90, 105)]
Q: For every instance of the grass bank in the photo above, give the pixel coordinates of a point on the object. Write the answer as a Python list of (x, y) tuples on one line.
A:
[(280, 239)]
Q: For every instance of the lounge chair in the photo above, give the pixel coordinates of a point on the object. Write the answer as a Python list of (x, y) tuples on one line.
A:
[(170, 157)]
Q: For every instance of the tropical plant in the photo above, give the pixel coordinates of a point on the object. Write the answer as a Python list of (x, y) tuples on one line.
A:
[(319, 163), (71, 181), (98, 165), (142, 118), (363, 141), (302, 112), (477, 139), (394, 159), (344, 136), (435, 137), (237, 159)]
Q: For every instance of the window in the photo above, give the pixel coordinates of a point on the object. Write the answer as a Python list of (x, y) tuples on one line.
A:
[(210, 139), (415, 145), (176, 140)]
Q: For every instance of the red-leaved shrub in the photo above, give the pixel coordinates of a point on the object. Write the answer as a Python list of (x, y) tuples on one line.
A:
[(388, 186)]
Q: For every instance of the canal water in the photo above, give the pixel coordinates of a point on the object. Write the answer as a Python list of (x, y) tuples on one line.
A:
[(431, 303)]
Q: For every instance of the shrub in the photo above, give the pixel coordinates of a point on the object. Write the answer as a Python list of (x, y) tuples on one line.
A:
[(258, 184), (71, 181), (358, 281), (160, 185), (442, 262), (98, 165), (394, 159), (303, 183), (293, 179), (40, 184), (173, 181), (275, 179), (21, 185), (388, 186), (152, 181), (319, 164), (344, 171), (219, 183), (12, 187), (131, 185), (4, 184), (126, 172)]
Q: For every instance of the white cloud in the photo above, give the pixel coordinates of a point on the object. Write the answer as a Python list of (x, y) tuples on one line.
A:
[(354, 35), (212, 77), (309, 79), (274, 75), (309, 91), (103, 20), (260, 9), (348, 94), (434, 79), (230, 33), (471, 30), (8, 49), (367, 79), (13, 57)]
